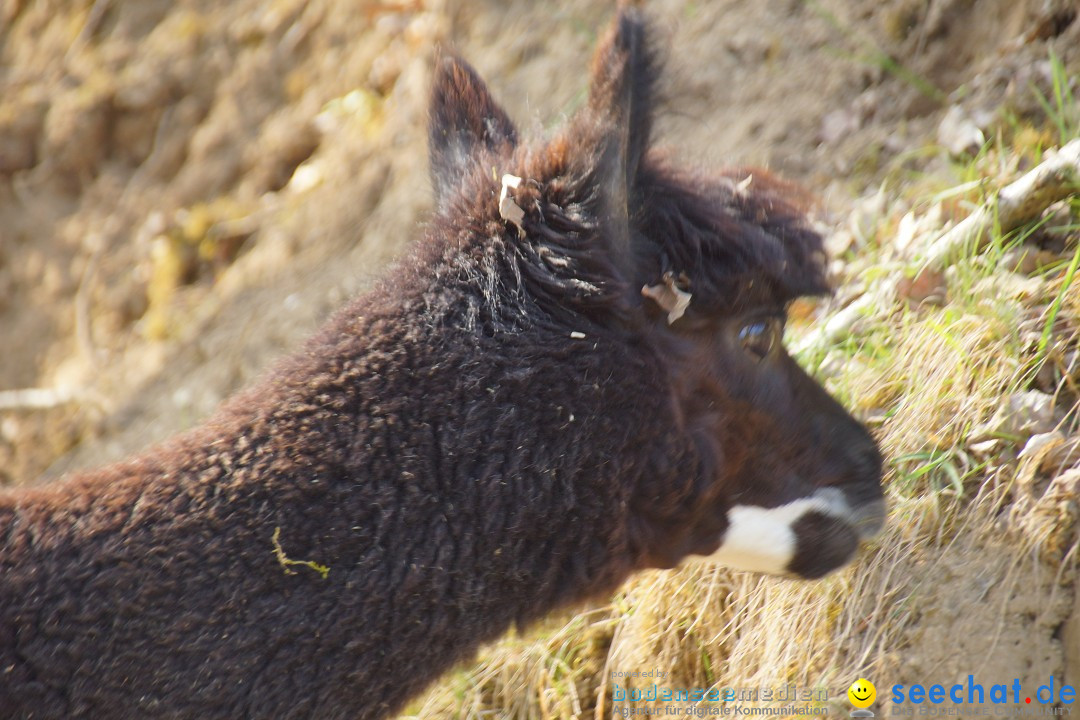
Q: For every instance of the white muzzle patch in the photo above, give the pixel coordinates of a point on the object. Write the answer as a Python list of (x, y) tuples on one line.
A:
[(762, 540)]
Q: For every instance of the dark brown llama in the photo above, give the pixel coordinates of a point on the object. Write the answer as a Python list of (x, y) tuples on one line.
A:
[(579, 374)]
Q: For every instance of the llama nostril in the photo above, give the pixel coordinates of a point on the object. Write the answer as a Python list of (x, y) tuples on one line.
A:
[(823, 544), (828, 536), (865, 505)]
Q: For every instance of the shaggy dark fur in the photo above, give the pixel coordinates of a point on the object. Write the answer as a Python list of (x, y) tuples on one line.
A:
[(457, 459)]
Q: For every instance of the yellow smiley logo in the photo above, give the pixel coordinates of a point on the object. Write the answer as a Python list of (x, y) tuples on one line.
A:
[(861, 693)]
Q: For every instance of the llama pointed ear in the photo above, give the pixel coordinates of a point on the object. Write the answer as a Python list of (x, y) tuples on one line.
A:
[(464, 118), (620, 105)]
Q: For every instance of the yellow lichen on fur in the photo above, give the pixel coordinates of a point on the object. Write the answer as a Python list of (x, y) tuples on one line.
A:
[(288, 563)]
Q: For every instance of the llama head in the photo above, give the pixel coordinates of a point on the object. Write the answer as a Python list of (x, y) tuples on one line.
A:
[(598, 230)]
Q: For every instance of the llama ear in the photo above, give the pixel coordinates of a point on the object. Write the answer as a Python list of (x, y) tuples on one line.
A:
[(464, 118), (620, 104)]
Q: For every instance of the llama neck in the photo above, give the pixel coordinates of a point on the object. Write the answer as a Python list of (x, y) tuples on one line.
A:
[(437, 522)]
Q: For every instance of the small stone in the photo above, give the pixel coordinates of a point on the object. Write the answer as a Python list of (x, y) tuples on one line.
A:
[(839, 242), (985, 448), (867, 216), (958, 133), (905, 232), (928, 287), (1022, 415), (1040, 445), (837, 125)]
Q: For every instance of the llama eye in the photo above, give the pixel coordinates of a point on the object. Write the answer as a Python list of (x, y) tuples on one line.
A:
[(758, 338)]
